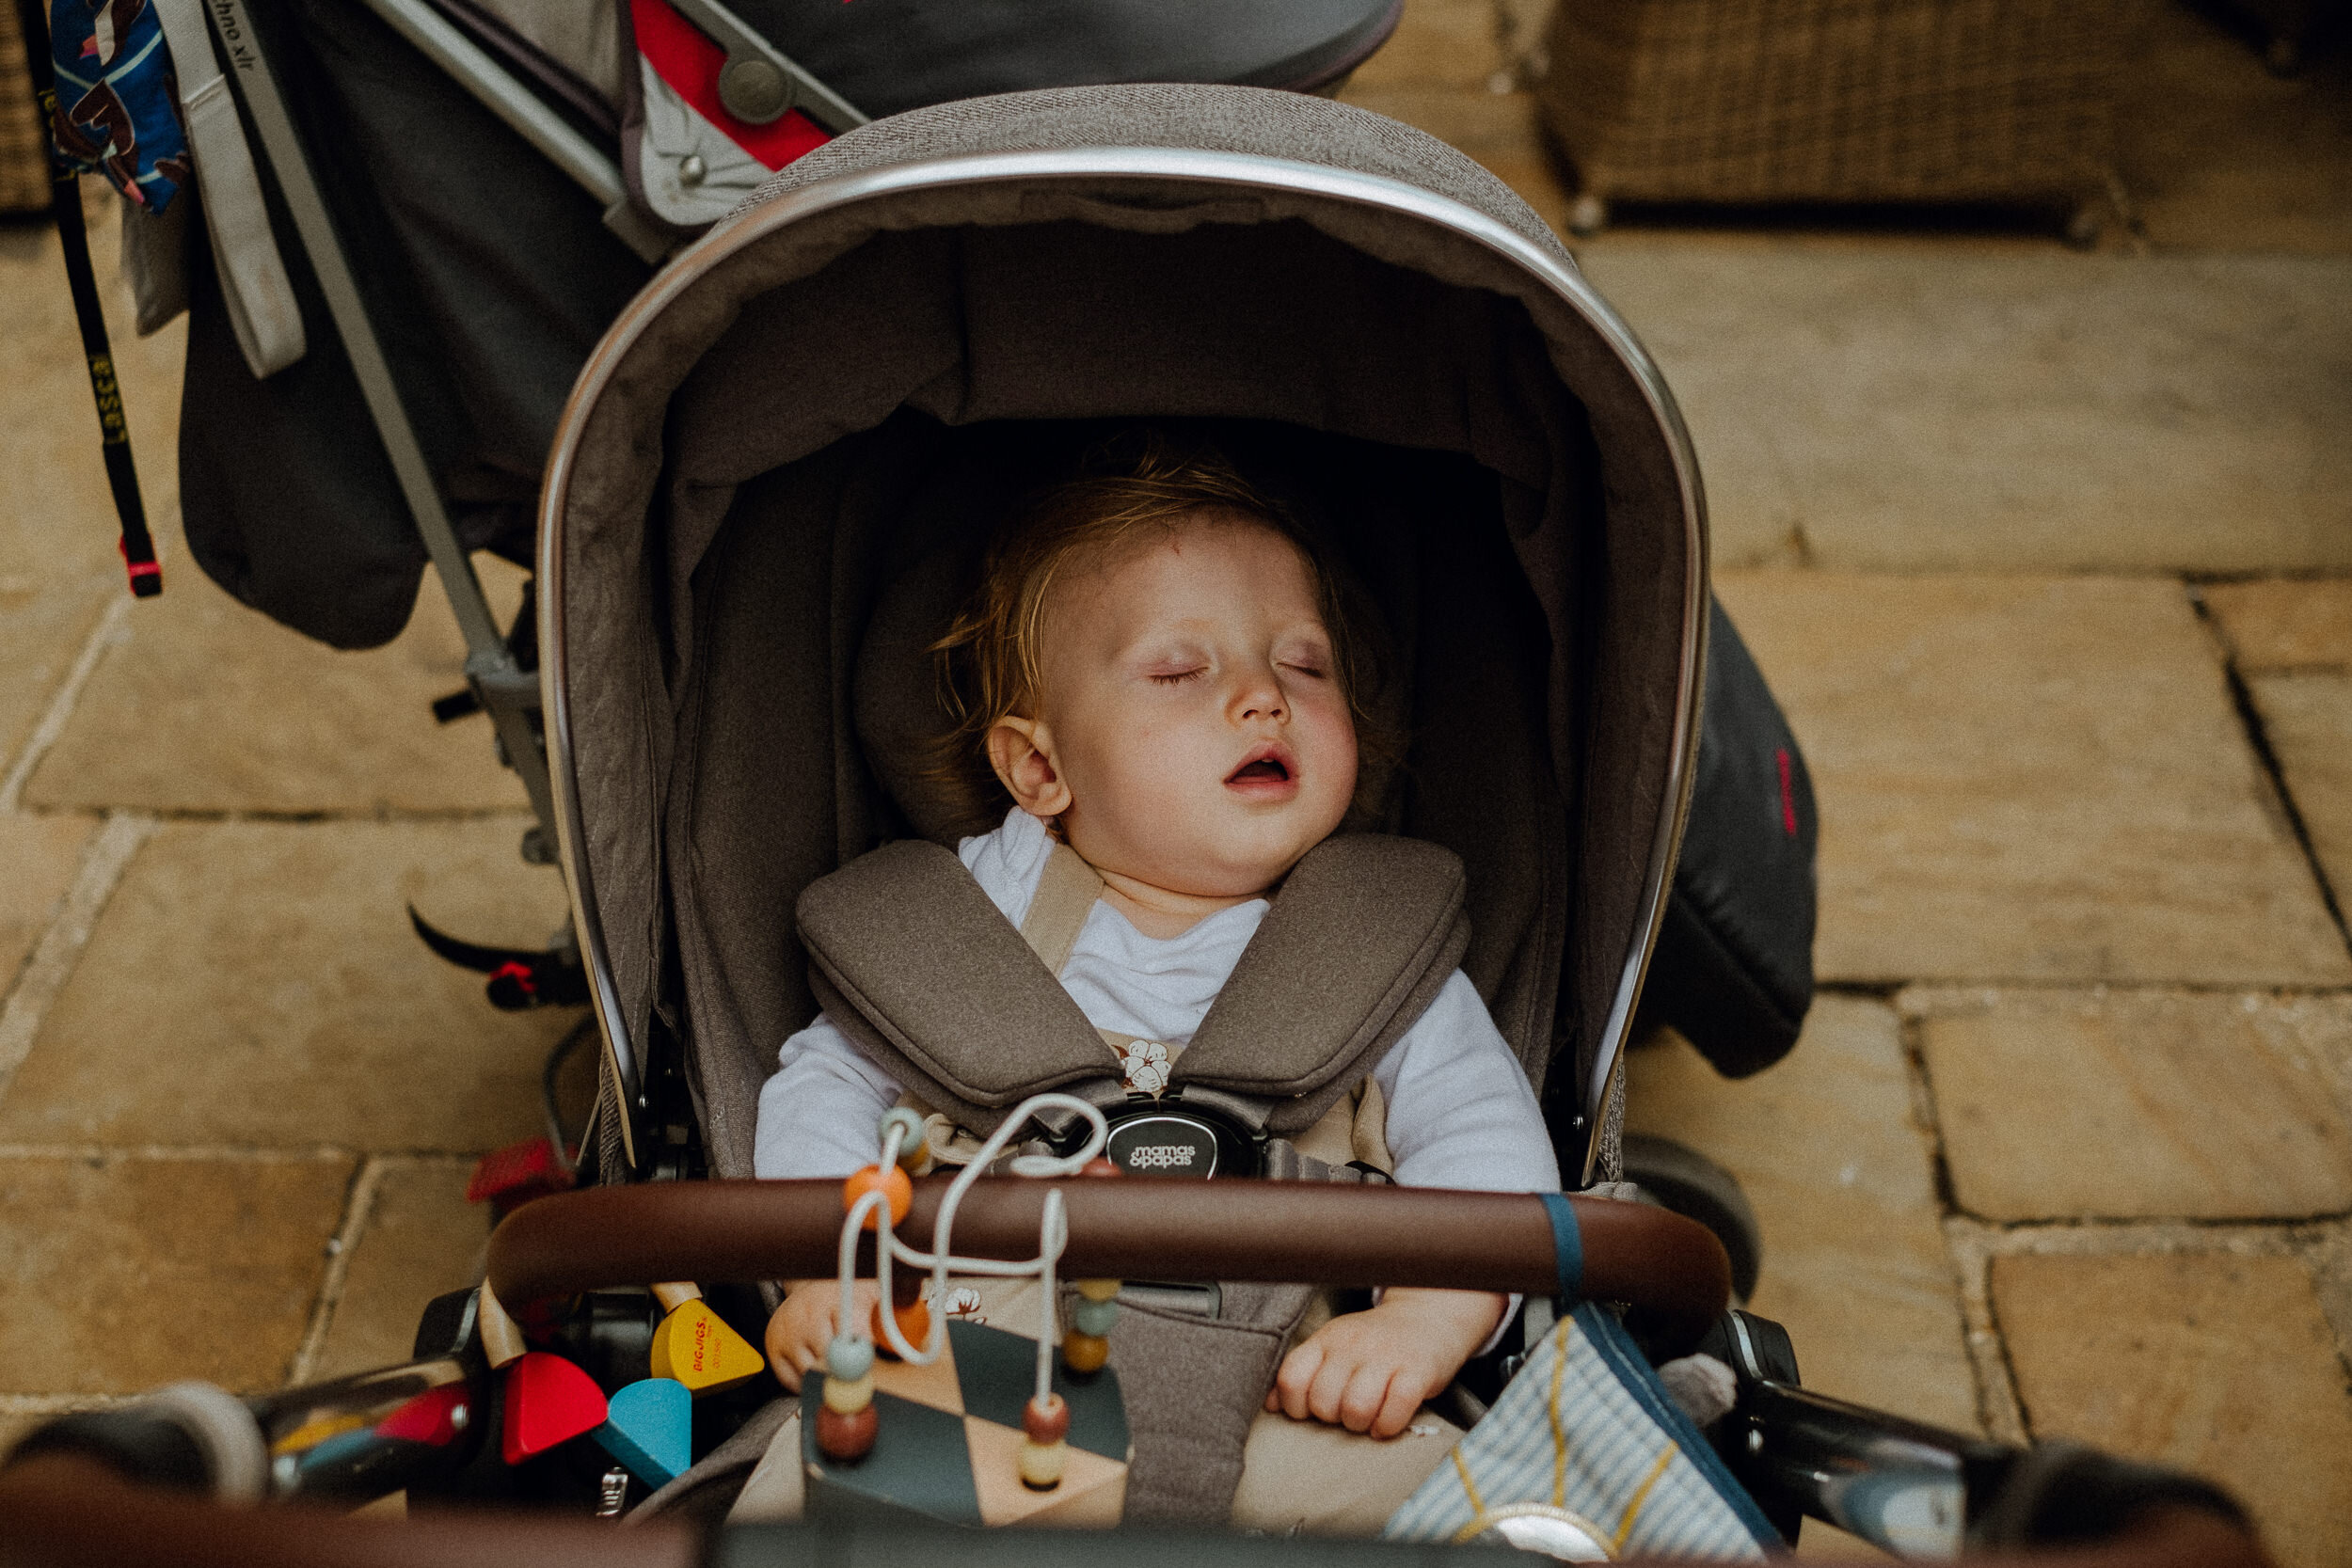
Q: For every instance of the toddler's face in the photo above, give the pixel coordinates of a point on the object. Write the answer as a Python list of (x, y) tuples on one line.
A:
[(1190, 712)]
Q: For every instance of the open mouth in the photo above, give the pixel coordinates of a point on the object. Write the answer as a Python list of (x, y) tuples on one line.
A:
[(1270, 767)]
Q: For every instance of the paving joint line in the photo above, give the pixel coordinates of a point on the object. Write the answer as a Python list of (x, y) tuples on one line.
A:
[(43, 979), (2000, 1406), (358, 1206), (112, 627), (2258, 737)]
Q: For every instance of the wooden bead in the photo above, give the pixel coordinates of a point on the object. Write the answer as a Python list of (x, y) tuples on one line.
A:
[(1094, 1317), (1098, 1289), (847, 1437), (898, 1192), (847, 1396), (1084, 1353), (914, 1150), (1100, 1166), (849, 1358), (1045, 1419), (1041, 1465), (914, 1321)]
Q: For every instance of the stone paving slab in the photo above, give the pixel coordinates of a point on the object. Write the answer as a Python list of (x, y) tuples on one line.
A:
[(2139, 1104), (58, 567), (2031, 779), (39, 856), (1840, 1173), (2214, 1363), (421, 1238), (1933, 409), (257, 984), (208, 706), (2307, 717), (121, 1275), (2274, 623)]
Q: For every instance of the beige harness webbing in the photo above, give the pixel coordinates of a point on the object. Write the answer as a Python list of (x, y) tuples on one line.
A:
[(1353, 1131)]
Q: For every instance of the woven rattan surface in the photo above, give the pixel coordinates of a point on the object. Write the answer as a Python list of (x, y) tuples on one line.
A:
[(1835, 100), (23, 146)]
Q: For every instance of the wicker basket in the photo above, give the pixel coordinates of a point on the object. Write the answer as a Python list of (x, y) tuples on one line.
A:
[(1835, 101), (24, 141)]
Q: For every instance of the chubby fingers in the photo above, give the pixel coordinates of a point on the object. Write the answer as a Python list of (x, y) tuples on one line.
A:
[(1297, 1376)]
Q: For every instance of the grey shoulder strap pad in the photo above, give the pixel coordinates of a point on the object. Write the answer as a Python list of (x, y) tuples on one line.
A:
[(1364, 933), (910, 961)]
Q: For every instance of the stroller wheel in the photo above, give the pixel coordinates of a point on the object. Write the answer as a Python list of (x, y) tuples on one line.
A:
[(1683, 1180)]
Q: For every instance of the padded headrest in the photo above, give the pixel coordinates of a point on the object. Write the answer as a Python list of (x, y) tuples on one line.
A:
[(895, 697)]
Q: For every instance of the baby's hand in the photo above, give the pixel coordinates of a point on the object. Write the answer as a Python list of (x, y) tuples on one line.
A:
[(805, 1325), (1369, 1372)]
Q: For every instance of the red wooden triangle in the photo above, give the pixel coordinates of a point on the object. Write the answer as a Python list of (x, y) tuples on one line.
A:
[(548, 1401)]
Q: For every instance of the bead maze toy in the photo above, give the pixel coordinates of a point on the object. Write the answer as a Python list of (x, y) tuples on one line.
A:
[(974, 1425)]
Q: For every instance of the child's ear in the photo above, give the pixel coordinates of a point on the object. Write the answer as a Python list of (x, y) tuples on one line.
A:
[(1021, 752)]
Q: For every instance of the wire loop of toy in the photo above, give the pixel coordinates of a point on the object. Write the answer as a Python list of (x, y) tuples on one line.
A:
[(1053, 1235)]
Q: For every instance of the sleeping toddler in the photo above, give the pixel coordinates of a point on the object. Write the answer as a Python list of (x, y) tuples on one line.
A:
[(1157, 671)]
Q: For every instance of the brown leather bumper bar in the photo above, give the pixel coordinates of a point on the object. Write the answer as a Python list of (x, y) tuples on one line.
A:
[(1171, 1229)]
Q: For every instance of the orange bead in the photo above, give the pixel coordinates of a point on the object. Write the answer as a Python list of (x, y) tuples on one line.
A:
[(1100, 1166), (914, 1321), (898, 1192), (1084, 1353)]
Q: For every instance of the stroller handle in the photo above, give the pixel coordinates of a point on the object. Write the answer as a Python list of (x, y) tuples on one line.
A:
[(1168, 1229)]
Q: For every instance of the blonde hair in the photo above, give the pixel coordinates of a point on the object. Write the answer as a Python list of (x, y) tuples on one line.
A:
[(988, 659)]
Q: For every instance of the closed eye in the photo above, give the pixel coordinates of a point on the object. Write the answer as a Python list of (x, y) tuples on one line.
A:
[(1177, 677)]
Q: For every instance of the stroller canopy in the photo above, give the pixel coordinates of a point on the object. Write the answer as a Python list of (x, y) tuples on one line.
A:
[(772, 466)]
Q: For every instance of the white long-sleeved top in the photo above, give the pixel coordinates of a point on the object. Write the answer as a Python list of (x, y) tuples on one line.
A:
[(1460, 1113)]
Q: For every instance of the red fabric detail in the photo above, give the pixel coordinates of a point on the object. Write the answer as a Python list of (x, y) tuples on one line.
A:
[(685, 59), (519, 972), (527, 1169), (1787, 795)]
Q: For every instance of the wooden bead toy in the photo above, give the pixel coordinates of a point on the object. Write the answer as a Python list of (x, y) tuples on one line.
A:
[(899, 1192), (1098, 1289), (914, 1323), (548, 1401), (849, 1358), (694, 1346), (846, 1437), (649, 1427), (849, 1395), (1094, 1317), (914, 1142), (1099, 1166), (1045, 1419), (1084, 1353), (1041, 1465)]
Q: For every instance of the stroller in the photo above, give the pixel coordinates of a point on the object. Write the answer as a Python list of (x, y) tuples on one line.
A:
[(464, 194), (763, 486)]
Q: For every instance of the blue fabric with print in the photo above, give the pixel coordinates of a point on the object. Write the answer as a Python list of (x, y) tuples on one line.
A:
[(116, 114)]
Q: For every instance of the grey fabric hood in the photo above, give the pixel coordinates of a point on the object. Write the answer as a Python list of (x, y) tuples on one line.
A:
[(792, 427)]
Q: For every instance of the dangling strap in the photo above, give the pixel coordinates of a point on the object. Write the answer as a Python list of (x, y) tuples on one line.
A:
[(253, 283)]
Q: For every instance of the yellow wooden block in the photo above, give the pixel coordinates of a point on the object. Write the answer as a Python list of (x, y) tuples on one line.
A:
[(693, 1346)]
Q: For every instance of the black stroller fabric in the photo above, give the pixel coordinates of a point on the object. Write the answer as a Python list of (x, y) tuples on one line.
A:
[(1733, 973), (488, 276)]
